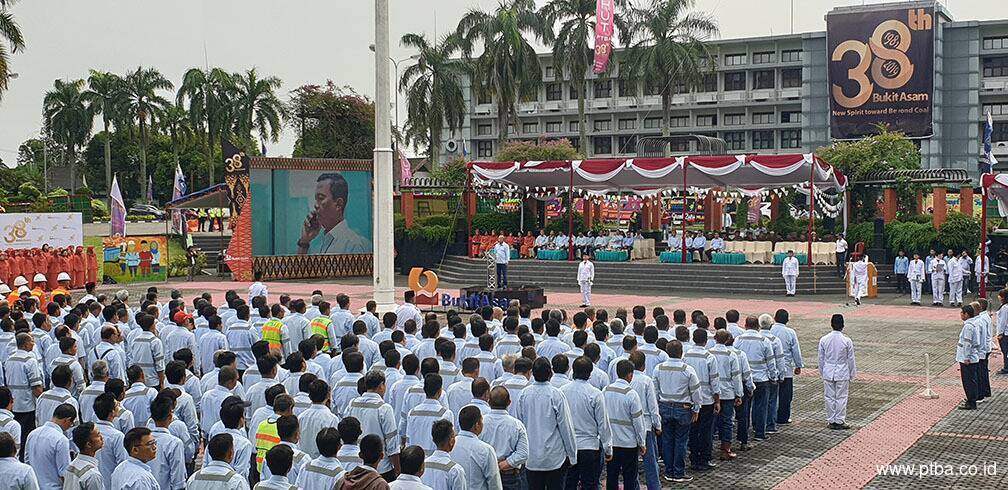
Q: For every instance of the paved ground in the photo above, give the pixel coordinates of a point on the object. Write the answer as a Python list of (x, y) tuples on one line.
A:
[(891, 423)]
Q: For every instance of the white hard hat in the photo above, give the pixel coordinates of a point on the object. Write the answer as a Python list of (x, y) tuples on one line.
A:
[(4, 289), (23, 289), (63, 276), (20, 281), (39, 278)]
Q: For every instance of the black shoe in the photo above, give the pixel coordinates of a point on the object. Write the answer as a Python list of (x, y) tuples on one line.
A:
[(710, 464), (678, 479), (771, 431), (788, 421), (760, 438), (744, 447), (967, 406), (583, 306), (836, 426)]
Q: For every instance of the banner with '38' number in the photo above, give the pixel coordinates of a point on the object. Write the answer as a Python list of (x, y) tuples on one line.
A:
[(881, 71)]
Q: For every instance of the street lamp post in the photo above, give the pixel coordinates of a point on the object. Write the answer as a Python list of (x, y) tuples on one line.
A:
[(384, 279), (395, 64)]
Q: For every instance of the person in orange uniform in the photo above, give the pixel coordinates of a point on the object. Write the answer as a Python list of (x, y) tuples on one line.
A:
[(488, 241), (16, 294), (64, 285), (77, 268), (52, 270), (528, 241), (92, 266), (5, 264), (40, 265), (39, 290), (475, 242)]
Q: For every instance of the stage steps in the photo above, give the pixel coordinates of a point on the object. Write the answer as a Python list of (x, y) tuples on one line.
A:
[(654, 276)]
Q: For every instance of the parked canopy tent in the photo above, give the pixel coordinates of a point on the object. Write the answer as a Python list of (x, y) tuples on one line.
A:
[(749, 174)]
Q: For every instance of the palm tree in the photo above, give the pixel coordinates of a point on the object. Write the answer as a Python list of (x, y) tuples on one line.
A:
[(176, 120), (11, 41), (257, 107), (143, 102), (508, 69), (68, 118), (105, 97), (571, 49), (209, 94), (433, 88), (665, 42)]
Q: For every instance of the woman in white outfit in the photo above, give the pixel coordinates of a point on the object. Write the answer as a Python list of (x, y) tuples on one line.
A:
[(859, 275)]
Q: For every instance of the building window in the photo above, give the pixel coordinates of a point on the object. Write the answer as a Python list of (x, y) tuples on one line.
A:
[(602, 124), (762, 140), (679, 86), (763, 79), (627, 124), (603, 89), (575, 142), (790, 116), (734, 140), (484, 130), (549, 71), (734, 119), (995, 66), (734, 59), (627, 88), (484, 149), (554, 126), (679, 122), (789, 55), (602, 145), (1000, 131), (763, 57), (790, 138), (996, 109), (652, 123), (791, 77), (554, 91), (573, 92), (706, 120), (627, 144), (762, 118), (734, 80), (530, 127), (995, 42), (483, 97), (708, 84), (572, 126), (652, 89)]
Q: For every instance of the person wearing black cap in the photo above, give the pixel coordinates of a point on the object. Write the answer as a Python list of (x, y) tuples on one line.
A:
[(232, 421), (218, 474)]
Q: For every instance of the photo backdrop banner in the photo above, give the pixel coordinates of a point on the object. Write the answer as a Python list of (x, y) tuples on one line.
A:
[(32, 230)]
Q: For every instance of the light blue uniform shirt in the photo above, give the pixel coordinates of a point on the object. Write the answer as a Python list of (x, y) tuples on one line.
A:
[(147, 351), (588, 416), (372, 322), (441, 473), (321, 473), (112, 452), (543, 410), (626, 417), (217, 475), (168, 466), (759, 351), (706, 369), (902, 265), (507, 436), (18, 475), (417, 425), (551, 346), (134, 474), (790, 350), (778, 352), (83, 474), (968, 348), (677, 382), (22, 373), (478, 460), (645, 387), (47, 451), (729, 372)]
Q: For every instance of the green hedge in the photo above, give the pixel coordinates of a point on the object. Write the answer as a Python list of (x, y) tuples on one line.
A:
[(911, 237), (917, 235)]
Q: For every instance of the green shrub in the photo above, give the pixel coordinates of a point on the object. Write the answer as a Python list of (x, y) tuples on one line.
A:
[(99, 209), (506, 222), (960, 232), (860, 232), (58, 192), (560, 224), (140, 217), (178, 266), (910, 236), (28, 192)]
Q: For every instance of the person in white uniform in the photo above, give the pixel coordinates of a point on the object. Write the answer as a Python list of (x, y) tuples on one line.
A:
[(586, 276), (502, 255), (915, 275), (937, 271), (954, 271), (859, 279), (789, 269), (836, 365)]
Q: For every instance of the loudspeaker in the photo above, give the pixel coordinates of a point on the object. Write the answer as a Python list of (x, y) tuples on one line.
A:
[(879, 237)]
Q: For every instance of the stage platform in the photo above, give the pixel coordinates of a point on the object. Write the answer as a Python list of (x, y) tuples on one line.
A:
[(651, 275)]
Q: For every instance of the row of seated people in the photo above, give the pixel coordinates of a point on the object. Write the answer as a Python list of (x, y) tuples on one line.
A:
[(760, 248), (528, 245)]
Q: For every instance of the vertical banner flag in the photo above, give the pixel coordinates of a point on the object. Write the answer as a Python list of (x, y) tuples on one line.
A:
[(881, 70), (178, 190), (604, 12), (988, 148), (117, 225), (405, 170), (236, 176)]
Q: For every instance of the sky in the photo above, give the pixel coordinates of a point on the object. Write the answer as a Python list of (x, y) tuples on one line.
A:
[(300, 41)]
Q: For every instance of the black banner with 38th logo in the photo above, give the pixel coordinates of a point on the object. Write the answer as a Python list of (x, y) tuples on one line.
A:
[(881, 71)]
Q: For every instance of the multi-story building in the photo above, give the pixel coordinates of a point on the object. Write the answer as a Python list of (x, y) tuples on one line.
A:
[(767, 95)]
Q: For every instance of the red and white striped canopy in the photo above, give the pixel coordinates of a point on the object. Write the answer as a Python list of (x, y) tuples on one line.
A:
[(752, 173)]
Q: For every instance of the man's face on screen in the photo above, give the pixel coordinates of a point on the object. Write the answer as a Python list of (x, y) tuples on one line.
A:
[(328, 209)]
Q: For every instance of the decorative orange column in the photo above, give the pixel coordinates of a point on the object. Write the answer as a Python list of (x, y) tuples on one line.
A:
[(717, 214), (586, 211), (656, 215), (470, 204), (919, 202), (708, 212), (966, 200), (774, 207), (889, 204), (940, 205), (645, 214), (406, 202)]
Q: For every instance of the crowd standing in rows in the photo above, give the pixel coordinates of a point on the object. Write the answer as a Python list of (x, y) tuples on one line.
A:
[(110, 392)]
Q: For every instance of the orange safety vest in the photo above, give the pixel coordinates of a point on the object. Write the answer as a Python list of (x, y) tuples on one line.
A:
[(13, 296), (62, 291), (272, 333), (40, 295)]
